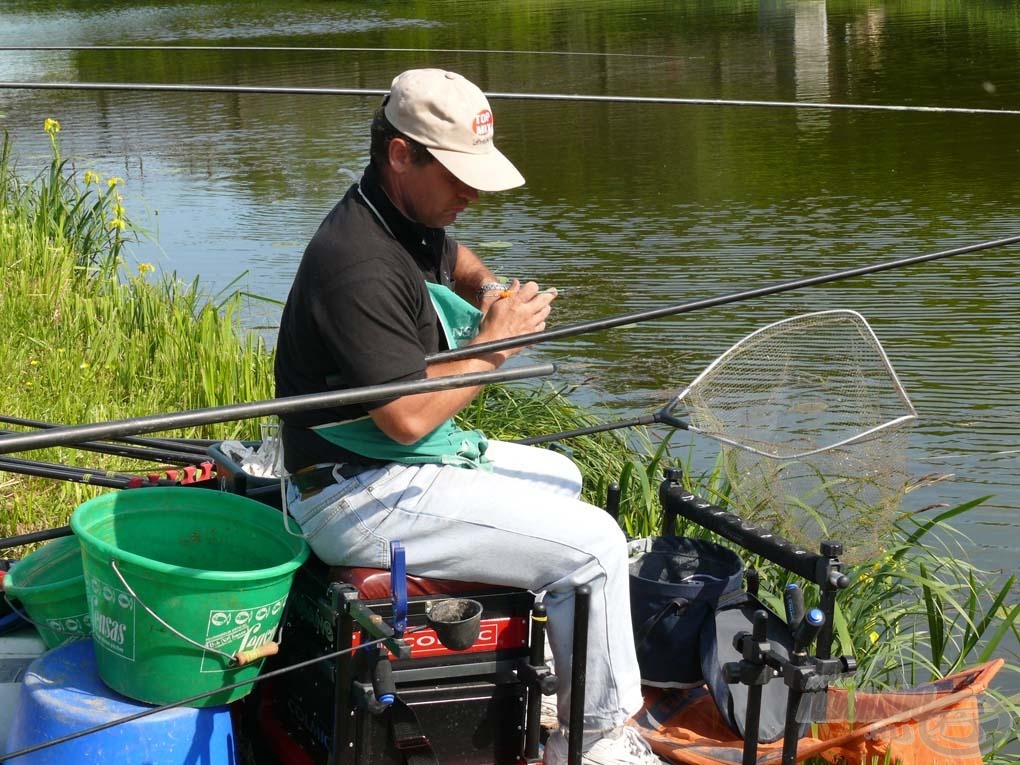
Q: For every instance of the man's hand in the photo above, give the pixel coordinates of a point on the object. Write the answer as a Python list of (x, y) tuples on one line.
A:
[(520, 310)]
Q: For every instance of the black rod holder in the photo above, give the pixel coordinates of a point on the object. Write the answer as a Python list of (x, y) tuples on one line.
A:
[(676, 500), (533, 720), (578, 673), (343, 640), (754, 655), (613, 494)]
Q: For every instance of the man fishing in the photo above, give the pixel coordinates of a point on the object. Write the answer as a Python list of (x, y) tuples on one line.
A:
[(381, 287)]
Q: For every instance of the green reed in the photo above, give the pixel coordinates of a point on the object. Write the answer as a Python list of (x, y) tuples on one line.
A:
[(90, 338)]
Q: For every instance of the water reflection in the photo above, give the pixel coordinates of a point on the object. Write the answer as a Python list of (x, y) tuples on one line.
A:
[(627, 206)]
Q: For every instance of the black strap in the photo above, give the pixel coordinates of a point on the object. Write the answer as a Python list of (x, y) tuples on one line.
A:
[(678, 605), (408, 736)]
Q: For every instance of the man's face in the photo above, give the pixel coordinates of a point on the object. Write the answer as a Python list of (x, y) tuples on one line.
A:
[(430, 194)]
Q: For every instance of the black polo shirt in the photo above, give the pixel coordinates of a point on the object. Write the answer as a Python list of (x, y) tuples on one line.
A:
[(358, 312)]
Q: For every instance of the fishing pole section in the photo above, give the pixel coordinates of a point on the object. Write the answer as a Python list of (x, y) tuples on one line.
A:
[(623, 320), (570, 97), (73, 434)]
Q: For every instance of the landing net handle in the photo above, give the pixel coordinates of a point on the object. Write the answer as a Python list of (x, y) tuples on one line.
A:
[(823, 570)]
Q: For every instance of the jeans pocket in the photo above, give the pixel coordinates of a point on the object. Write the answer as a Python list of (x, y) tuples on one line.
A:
[(315, 512), (337, 523)]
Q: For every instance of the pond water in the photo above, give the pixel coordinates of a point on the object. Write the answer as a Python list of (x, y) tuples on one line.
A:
[(629, 205)]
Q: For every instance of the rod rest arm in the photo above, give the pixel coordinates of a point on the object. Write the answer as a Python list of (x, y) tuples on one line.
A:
[(760, 663), (810, 674), (822, 570), (540, 675), (345, 597)]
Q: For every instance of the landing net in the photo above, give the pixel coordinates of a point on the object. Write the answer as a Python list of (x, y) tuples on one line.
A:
[(814, 425)]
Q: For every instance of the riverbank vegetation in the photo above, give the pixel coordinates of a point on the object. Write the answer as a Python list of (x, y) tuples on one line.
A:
[(89, 337)]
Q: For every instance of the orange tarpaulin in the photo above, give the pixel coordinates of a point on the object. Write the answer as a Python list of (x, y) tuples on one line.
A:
[(933, 724)]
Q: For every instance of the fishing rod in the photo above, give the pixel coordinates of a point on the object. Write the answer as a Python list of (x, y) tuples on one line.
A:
[(573, 330), (573, 97), (73, 434), (105, 478), (32, 537), (334, 49), (195, 445), (660, 417), (149, 454)]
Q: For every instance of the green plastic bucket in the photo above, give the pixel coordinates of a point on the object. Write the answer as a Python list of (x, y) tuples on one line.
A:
[(178, 581), (49, 585)]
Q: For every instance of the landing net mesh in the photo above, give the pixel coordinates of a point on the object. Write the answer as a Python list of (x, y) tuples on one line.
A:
[(814, 424)]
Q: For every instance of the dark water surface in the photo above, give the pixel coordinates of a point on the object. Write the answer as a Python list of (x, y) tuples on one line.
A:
[(628, 206)]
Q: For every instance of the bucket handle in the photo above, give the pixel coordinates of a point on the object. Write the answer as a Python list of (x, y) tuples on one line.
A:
[(241, 658)]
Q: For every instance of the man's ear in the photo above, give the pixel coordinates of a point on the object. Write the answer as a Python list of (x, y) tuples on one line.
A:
[(399, 155)]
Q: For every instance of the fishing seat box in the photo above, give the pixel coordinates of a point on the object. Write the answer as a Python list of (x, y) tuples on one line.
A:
[(470, 705)]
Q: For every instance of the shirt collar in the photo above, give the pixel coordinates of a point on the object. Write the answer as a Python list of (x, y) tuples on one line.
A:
[(419, 240)]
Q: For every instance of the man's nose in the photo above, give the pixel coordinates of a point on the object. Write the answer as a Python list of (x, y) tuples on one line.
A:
[(468, 192)]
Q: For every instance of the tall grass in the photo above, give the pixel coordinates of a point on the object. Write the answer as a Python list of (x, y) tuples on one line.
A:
[(89, 337)]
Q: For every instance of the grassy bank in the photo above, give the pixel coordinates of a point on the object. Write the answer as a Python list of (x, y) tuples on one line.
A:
[(90, 336)]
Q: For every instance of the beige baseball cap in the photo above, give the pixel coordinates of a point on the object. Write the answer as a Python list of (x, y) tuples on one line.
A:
[(451, 118)]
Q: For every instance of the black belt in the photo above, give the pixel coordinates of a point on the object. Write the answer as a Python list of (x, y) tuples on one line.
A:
[(311, 480)]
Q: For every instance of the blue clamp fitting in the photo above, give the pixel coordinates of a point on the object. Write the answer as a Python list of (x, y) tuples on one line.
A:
[(398, 587)]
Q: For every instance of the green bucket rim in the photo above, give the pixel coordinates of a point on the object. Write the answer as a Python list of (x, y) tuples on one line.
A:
[(130, 502), (16, 589)]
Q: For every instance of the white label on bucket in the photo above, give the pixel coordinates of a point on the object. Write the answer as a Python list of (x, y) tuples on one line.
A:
[(69, 628), (240, 629), (112, 614)]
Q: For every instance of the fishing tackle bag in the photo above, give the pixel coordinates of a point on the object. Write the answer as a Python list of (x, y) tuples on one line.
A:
[(687, 605), (675, 584)]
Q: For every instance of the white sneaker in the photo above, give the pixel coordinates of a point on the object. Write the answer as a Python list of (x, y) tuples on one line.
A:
[(624, 746), (549, 717)]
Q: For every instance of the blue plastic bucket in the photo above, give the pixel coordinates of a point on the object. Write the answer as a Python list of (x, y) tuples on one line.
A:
[(63, 694)]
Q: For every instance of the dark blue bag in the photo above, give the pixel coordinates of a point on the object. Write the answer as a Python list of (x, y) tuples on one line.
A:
[(675, 584), (687, 603)]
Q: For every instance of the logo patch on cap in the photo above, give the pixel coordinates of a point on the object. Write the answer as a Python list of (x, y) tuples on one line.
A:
[(482, 126)]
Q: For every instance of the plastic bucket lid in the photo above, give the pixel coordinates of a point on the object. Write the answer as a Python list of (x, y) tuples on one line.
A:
[(62, 694), (178, 580), (50, 586)]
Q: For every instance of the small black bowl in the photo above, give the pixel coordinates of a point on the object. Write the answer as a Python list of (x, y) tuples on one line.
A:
[(457, 621)]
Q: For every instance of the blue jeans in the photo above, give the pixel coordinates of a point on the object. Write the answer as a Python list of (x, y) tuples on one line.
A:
[(521, 526)]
